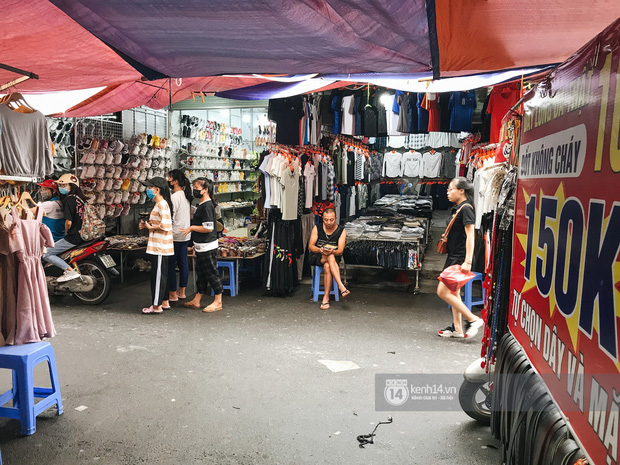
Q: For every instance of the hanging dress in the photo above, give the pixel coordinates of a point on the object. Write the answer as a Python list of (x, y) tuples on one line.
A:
[(34, 316), (8, 287)]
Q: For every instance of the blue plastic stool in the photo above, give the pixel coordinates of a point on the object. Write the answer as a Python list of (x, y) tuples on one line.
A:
[(318, 289), (232, 282), (22, 359), (467, 298)]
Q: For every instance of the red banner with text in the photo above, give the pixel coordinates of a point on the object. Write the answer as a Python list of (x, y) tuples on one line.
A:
[(565, 309)]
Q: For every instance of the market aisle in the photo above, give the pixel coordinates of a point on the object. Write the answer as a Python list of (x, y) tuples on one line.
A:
[(244, 386)]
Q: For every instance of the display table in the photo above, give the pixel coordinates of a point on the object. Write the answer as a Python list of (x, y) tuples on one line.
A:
[(372, 244), (240, 264), (123, 256)]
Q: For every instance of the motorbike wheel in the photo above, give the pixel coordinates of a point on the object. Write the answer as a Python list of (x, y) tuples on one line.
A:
[(475, 400), (103, 283)]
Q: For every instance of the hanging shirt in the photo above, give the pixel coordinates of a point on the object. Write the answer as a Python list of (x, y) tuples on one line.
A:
[(350, 168), (422, 114), (502, 98), (330, 182), (263, 169), (309, 174), (376, 166), (392, 167), (289, 179), (412, 164), (448, 165), (287, 113), (429, 102), (359, 166), (462, 106), (348, 120), (431, 164), (25, 145)]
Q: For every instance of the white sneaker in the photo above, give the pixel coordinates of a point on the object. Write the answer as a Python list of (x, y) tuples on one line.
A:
[(68, 275), (474, 327)]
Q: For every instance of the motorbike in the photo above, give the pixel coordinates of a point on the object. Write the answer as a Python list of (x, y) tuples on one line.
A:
[(476, 391), (94, 284)]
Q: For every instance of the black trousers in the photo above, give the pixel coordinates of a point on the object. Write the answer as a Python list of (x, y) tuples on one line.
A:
[(207, 273), (159, 278)]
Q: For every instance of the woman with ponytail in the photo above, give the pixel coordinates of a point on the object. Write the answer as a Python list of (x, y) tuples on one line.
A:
[(204, 235), (181, 198), (460, 252)]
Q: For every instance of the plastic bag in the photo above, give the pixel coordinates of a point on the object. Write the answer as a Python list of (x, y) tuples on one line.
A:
[(454, 278)]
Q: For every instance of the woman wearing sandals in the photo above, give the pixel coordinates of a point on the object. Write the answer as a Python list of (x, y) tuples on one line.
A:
[(460, 252), (204, 235), (327, 243), (181, 198), (160, 245)]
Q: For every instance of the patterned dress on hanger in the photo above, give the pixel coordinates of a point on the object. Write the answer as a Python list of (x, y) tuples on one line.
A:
[(34, 315)]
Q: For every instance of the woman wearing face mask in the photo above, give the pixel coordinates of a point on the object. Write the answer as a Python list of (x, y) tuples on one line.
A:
[(204, 234), (160, 245), (181, 198), (73, 202), (54, 215)]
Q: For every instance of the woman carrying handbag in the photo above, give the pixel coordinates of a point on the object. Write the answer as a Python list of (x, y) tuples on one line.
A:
[(458, 243)]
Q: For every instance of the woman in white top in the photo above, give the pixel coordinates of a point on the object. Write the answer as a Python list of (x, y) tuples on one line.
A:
[(181, 198)]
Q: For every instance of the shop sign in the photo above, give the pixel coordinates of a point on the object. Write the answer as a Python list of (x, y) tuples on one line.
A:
[(565, 306)]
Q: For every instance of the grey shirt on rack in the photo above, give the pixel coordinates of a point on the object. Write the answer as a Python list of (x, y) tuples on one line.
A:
[(25, 145)]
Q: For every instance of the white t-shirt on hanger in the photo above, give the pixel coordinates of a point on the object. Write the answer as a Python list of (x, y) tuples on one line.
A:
[(412, 164), (348, 120), (432, 164), (392, 167)]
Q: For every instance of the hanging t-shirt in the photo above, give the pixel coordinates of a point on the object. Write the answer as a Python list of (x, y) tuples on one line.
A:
[(412, 164), (263, 169), (422, 114), (429, 102), (501, 100), (336, 108), (448, 165), (431, 164), (351, 168), (289, 179), (25, 145), (287, 113), (401, 99), (348, 120), (392, 164), (309, 174), (462, 106), (370, 122), (443, 101)]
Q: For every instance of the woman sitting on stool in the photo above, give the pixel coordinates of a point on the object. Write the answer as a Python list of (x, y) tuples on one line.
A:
[(327, 245)]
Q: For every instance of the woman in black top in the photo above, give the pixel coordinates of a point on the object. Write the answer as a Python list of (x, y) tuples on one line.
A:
[(204, 236), (73, 202), (327, 243), (460, 252)]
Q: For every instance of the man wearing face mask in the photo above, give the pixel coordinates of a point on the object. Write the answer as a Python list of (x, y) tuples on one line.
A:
[(73, 201), (53, 213)]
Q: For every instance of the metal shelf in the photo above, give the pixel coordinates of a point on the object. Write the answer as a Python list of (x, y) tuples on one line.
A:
[(234, 180), (19, 178)]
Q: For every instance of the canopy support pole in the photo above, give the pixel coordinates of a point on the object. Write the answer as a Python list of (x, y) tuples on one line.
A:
[(25, 76)]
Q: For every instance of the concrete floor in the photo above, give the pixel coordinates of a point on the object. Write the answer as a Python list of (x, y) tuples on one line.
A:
[(244, 385)]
